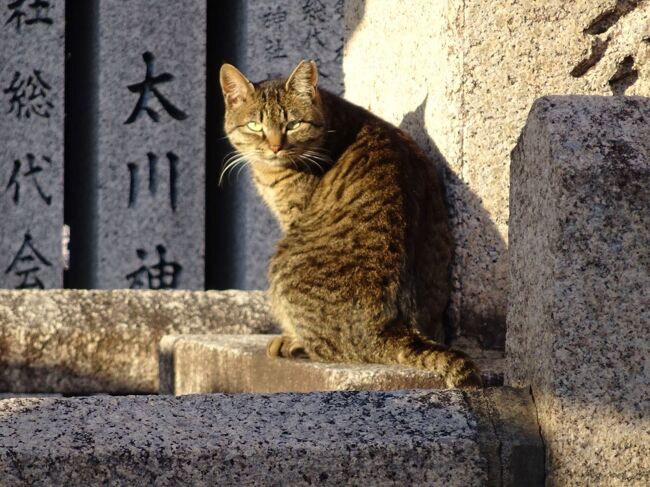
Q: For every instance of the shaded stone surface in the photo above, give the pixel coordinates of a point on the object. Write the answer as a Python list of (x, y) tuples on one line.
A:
[(361, 438), (461, 77), (150, 177), (232, 363), (579, 258), (274, 38), (77, 342), (31, 143)]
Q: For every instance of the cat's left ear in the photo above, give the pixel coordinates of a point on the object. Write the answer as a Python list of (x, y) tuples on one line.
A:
[(303, 79), (234, 85)]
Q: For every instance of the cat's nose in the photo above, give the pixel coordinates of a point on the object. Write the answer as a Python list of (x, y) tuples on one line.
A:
[(275, 147)]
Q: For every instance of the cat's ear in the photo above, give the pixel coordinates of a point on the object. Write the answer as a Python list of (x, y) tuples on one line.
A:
[(234, 85), (303, 79)]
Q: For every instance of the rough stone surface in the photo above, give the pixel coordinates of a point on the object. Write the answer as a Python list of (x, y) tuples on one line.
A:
[(31, 144), (461, 78), (274, 38), (232, 363), (579, 258), (150, 145), (344, 438), (107, 341)]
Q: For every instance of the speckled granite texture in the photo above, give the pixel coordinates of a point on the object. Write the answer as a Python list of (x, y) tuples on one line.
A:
[(150, 138), (344, 438), (76, 342), (237, 363), (32, 60), (578, 323)]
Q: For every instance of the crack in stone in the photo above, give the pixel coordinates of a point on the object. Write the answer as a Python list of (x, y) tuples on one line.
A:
[(539, 429), (624, 77), (598, 48), (607, 19)]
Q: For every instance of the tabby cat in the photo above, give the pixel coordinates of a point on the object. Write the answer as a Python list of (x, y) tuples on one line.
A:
[(361, 272)]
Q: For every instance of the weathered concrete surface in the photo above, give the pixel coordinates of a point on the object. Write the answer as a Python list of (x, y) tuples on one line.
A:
[(107, 341), (579, 262), (344, 438), (461, 78), (232, 363)]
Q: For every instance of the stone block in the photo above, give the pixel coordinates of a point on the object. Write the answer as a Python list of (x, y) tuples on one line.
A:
[(344, 438), (31, 143), (579, 254), (274, 38), (80, 342), (232, 363), (148, 221), (461, 77)]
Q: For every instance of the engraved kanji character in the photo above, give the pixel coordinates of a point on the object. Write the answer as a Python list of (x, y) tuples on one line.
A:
[(144, 88), (162, 275)]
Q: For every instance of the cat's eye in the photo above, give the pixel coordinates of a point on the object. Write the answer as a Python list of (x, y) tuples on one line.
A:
[(293, 125), (254, 126)]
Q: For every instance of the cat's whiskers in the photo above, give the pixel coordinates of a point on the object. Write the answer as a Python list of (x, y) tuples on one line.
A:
[(321, 153), (316, 157), (304, 164), (241, 168), (306, 160), (287, 155), (232, 160), (292, 156)]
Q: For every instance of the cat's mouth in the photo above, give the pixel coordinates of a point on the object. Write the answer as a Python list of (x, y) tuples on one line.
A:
[(280, 159), (300, 160)]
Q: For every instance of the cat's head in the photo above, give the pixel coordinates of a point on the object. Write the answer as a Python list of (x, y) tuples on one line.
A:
[(278, 122)]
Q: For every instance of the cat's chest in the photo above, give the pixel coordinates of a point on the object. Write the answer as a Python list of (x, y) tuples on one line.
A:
[(286, 193)]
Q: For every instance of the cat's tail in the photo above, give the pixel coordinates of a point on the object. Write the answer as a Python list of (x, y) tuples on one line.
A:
[(453, 365)]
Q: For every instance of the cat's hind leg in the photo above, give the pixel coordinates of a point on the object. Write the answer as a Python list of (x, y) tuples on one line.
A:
[(285, 346)]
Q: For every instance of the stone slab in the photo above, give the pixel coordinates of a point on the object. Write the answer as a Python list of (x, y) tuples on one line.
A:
[(461, 77), (80, 342), (232, 363), (273, 39), (579, 257), (150, 145), (31, 142), (344, 438)]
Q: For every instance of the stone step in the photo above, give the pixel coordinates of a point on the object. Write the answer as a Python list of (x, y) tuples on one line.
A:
[(444, 437), (192, 364), (83, 342)]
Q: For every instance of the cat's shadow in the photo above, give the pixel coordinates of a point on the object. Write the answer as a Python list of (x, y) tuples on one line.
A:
[(476, 238)]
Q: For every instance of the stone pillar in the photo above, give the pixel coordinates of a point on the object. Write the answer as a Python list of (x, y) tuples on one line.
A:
[(31, 143), (578, 321), (149, 202), (276, 36)]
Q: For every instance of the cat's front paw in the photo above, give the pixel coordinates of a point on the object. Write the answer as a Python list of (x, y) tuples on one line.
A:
[(287, 347)]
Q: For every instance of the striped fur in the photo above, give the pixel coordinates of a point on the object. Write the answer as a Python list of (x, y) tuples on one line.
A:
[(361, 272)]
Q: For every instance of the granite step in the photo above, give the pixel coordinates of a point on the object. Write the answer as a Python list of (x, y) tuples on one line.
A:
[(442, 437), (193, 364)]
